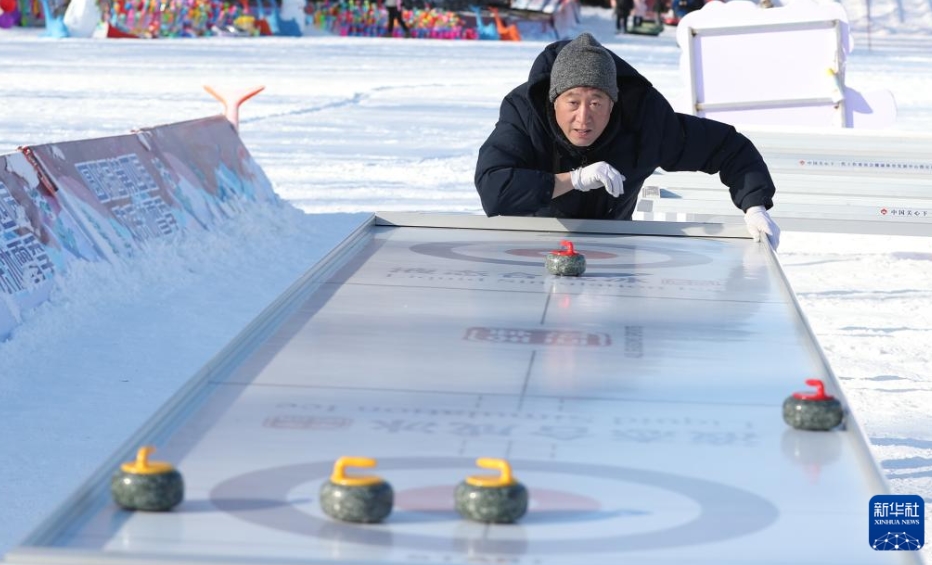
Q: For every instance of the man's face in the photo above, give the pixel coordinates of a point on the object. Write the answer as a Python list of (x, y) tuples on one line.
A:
[(582, 114)]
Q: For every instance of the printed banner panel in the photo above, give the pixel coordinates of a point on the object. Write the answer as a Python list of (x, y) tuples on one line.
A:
[(37, 240), (121, 190), (106, 198), (209, 154)]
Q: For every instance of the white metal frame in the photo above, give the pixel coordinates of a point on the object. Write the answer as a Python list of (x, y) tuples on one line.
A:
[(699, 107)]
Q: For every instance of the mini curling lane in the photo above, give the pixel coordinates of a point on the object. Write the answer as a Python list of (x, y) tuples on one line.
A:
[(642, 380)]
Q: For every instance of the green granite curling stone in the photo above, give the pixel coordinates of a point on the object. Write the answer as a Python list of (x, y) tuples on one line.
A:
[(813, 411), (565, 262), (491, 499), (147, 485), (363, 499)]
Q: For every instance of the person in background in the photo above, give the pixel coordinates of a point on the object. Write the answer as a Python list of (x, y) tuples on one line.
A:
[(622, 9), (394, 14), (578, 139), (640, 11)]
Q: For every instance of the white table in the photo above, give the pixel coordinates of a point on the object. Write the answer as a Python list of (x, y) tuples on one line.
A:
[(639, 403)]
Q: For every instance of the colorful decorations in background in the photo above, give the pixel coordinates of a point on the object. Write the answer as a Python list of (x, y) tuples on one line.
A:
[(54, 24), (275, 23), (24, 13), (193, 18), (196, 18), (9, 13), (369, 19), (180, 18), (249, 18), (505, 32), (487, 31)]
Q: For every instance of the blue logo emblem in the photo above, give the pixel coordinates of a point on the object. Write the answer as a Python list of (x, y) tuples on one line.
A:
[(897, 522)]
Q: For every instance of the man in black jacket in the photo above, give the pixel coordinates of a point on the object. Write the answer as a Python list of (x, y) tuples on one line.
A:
[(578, 139)]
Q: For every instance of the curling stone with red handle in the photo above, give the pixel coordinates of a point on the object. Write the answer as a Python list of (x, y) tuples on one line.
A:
[(813, 411), (566, 261)]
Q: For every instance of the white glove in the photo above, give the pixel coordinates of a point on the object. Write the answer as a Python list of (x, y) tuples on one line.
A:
[(598, 175), (759, 223)]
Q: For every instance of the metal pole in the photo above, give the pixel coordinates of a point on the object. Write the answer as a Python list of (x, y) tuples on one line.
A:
[(868, 2)]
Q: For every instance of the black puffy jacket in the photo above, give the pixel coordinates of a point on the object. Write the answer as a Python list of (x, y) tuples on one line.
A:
[(516, 165)]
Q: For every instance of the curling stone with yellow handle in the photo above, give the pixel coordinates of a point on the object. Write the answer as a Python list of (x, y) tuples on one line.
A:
[(154, 486), (364, 499), (566, 261), (492, 499)]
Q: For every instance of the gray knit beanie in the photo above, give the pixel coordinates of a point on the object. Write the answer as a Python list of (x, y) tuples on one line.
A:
[(584, 62)]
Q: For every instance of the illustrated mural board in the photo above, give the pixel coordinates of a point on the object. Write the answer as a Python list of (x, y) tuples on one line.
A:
[(640, 403), (208, 154), (37, 240), (119, 188), (155, 183)]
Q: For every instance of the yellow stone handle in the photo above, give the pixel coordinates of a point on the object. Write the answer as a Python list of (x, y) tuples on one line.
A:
[(339, 472), (142, 465), (504, 478)]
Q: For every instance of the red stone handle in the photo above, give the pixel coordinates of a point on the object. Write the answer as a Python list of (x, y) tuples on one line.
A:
[(819, 393), (567, 248)]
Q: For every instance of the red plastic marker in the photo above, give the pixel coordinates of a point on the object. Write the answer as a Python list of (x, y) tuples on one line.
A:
[(232, 101)]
